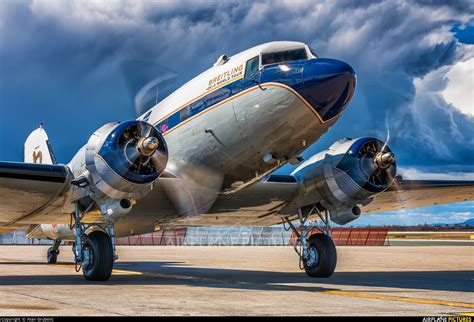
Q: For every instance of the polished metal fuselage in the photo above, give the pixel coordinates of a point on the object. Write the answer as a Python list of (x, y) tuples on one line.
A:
[(224, 146)]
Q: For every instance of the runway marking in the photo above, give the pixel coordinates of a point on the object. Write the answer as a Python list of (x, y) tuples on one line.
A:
[(282, 287), (16, 260), (400, 299), (463, 313), (124, 272), (27, 307), (114, 271)]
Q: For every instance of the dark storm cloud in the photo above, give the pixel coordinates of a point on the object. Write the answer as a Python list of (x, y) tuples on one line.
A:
[(60, 63)]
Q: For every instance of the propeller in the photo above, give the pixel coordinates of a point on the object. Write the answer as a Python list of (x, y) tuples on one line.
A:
[(193, 188), (396, 180), (140, 144), (378, 163), (148, 82)]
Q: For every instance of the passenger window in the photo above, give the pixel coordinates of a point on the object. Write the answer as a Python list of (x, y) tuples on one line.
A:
[(282, 56), (184, 113), (251, 67)]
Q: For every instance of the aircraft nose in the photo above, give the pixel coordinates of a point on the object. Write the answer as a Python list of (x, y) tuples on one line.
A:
[(328, 85)]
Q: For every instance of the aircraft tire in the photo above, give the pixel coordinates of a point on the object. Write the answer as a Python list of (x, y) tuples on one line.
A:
[(102, 258), (52, 256), (323, 256)]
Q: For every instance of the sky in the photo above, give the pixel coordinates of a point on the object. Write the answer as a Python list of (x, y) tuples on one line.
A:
[(62, 63)]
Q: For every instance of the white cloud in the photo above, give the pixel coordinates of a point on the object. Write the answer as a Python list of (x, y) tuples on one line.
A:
[(417, 174), (415, 217), (460, 88)]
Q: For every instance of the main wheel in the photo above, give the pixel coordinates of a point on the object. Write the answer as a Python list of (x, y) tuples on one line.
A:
[(52, 255), (98, 249), (322, 256)]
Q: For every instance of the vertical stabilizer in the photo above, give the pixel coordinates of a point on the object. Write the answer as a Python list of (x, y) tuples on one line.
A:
[(38, 149)]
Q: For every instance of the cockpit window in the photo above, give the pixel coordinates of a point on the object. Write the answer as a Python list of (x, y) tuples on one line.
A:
[(313, 52), (251, 67), (282, 56)]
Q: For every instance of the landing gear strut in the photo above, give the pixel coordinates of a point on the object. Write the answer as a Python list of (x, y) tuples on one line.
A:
[(53, 252), (95, 252), (318, 254)]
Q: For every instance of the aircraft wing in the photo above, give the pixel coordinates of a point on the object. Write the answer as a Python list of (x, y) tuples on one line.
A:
[(36, 193), (420, 193), (28, 188), (261, 203)]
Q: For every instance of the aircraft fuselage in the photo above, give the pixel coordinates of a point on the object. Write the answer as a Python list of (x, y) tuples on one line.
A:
[(236, 124)]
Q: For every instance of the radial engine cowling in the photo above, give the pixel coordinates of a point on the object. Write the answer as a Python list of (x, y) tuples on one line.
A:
[(350, 173), (122, 160)]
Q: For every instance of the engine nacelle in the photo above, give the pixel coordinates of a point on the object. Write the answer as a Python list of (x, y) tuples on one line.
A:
[(120, 161), (350, 173)]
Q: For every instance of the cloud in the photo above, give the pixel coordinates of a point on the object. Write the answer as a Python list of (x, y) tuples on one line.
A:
[(459, 90), (420, 216), (441, 174), (60, 64), (431, 130)]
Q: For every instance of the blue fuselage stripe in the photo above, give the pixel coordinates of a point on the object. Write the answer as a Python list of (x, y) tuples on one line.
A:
[(323, 92), (209, 100)]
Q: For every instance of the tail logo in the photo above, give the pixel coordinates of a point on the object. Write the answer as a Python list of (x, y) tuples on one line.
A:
[(37, 156)]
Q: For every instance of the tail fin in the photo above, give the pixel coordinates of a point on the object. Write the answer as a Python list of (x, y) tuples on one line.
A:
[(38, 149)]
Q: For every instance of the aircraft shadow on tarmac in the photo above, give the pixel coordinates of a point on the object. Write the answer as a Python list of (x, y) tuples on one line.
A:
[(178, 273)]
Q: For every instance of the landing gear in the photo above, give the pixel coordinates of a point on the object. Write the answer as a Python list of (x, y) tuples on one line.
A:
[(318, 256), (99, 256), (94, 252), (53, 252), (322, 256)]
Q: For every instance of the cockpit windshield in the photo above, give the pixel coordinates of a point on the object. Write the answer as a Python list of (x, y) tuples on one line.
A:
[(312, 52), (282, 56)]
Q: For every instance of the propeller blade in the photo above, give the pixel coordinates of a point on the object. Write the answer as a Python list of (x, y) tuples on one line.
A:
[(147, 82), (196, 189), (398, 192)]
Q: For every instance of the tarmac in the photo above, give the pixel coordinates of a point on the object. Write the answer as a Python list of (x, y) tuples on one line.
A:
[(266, 280)]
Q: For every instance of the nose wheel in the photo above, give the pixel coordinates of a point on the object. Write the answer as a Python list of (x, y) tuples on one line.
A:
[(318, 256)]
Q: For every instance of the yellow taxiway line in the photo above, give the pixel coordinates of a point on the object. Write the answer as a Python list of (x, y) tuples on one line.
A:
[(464, 313), (399, 298), (114, 271)]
